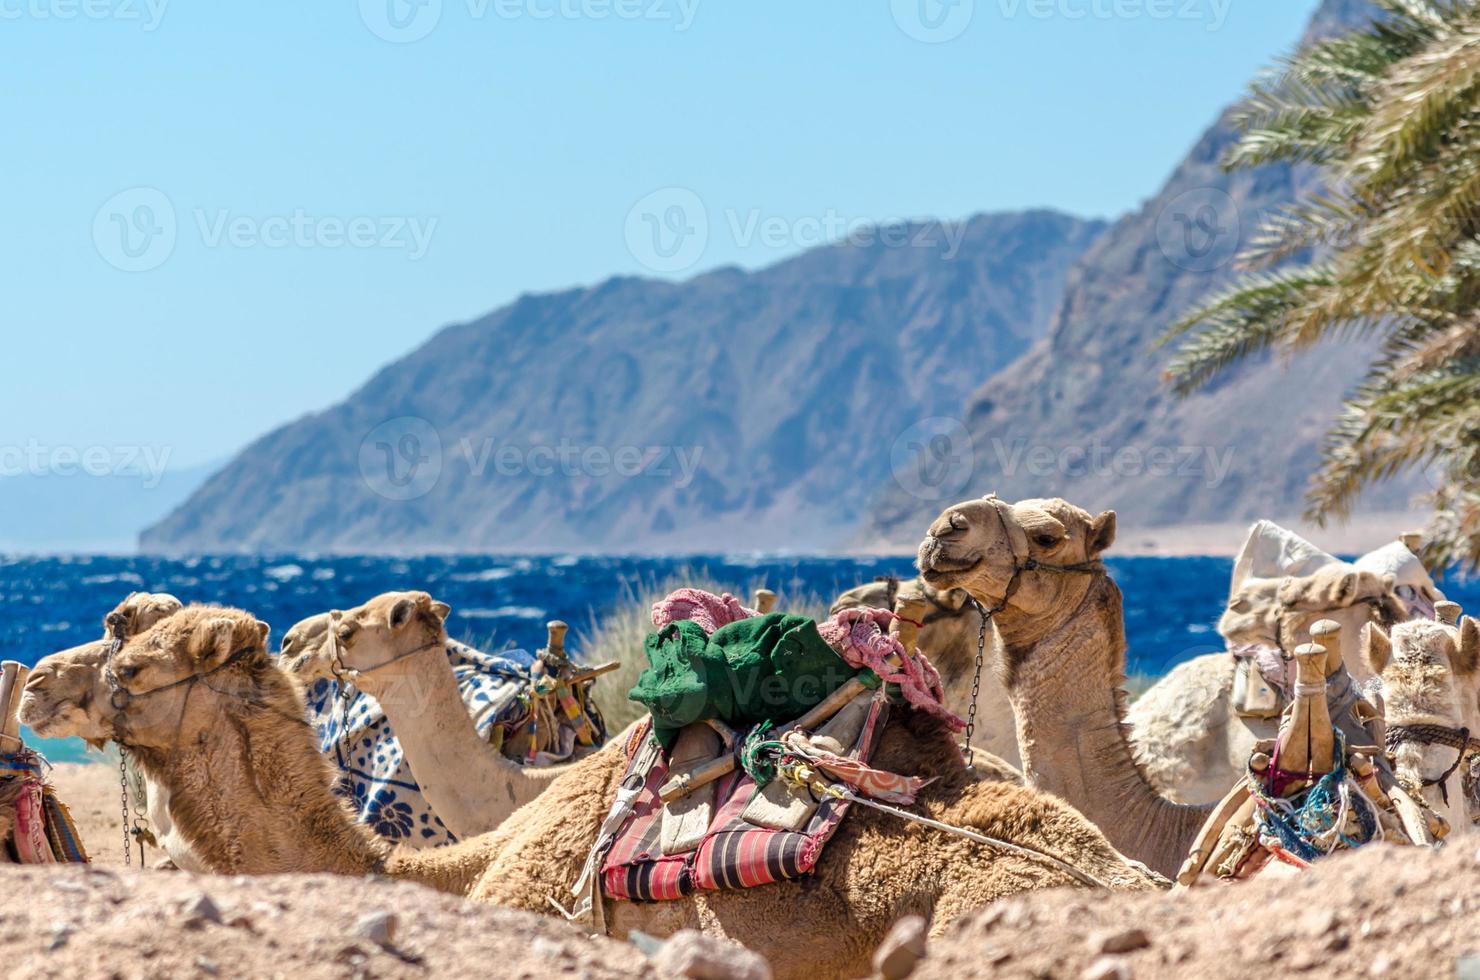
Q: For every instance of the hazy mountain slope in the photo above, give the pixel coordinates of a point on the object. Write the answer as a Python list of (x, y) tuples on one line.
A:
[(789, 386), (1085, 415)]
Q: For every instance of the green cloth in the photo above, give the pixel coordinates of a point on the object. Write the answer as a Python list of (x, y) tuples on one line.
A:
[(766, 668)]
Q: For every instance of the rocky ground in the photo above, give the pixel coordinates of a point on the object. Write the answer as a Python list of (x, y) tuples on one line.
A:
[(1382, 912)]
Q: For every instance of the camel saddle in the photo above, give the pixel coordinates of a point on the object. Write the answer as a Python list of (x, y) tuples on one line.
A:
[(744, 837)]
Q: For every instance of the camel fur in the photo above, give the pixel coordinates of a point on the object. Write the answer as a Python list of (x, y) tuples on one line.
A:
[(252, 793), (948, 637), (1429, 674), (1061, 660)]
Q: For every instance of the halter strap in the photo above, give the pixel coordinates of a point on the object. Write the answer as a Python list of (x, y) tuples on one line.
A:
[(1455, 738)]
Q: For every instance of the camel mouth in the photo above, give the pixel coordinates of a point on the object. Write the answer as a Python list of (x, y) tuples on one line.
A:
[(38, 716), (939, 568)]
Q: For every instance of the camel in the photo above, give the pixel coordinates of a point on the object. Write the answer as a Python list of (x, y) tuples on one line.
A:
[(1194, 728), (1430, 682), (1057, 613), (208, 712), (394, 648), (948, 636)]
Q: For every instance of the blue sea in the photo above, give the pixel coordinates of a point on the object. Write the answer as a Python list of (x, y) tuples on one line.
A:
[(48, 604)]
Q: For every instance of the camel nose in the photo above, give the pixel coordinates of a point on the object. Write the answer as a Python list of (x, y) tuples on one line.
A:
[(949, 526)]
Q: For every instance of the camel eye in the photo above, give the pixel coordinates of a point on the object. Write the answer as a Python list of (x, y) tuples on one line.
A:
[(1045, 540), (127, 673)]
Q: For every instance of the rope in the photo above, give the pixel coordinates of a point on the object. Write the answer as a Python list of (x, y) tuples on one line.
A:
[(1455, 738), (1311, 824)]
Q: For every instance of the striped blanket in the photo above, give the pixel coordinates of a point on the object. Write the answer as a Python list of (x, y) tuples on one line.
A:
[(734, 853), (375, 776)]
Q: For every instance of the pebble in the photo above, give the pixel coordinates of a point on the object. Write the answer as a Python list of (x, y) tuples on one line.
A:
[(902, 949), (206, 966), (199, 908), (698, 957), (378, 927), (1107, 968), (1119, 941), (61, 933)]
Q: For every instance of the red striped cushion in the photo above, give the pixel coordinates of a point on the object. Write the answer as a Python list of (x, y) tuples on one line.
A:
[(733, 854)]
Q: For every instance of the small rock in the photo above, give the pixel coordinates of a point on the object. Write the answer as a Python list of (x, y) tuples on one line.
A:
[(199, 908), (206, 966), (901, 949), (1119, 941), (1381, 966), (1107, 968), (68, 885), (699, 957), (61, 933), (378, 927)]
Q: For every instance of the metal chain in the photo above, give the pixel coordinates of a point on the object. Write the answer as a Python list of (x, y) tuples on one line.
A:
[(128, 847), (976, 686)]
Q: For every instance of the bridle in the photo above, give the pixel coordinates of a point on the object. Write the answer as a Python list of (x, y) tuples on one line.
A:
[(120, 699), (1458, 739), (1022, 562), (345, 676)]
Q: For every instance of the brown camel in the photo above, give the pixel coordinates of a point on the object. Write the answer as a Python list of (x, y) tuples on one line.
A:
[(1062, 660), (394, 647), (207, 711)]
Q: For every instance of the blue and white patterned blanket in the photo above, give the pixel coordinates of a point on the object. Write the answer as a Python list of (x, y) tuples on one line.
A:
[(376, 778)]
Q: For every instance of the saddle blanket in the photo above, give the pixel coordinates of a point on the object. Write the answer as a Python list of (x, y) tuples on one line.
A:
[(375, 777), (733, 853)]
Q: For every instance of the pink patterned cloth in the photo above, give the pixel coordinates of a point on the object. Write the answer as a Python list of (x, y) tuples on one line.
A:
[(710, 611), (860, 636), (876, 784), (31, 845)]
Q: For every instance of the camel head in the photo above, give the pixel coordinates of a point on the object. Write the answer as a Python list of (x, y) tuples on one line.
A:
[(64, 686), (138, 612), (1430, 675), (1279, 612), (382, 631), (989, 548), (63, 689), (174, 681)]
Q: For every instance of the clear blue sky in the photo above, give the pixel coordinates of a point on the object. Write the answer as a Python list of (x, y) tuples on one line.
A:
[(516, 135)]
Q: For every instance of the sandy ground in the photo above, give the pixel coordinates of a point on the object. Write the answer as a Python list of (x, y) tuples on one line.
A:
[(1382, 912)]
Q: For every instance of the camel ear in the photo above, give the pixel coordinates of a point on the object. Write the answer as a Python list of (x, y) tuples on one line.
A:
[(263, 631), (402, 612), (441, 610), (1377, 648), (1101, 534), (212, 640), (1467, 650)]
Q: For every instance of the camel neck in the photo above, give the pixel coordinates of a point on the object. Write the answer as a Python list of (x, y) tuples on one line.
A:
[(467, 782), (1065, 687), (252, 796)]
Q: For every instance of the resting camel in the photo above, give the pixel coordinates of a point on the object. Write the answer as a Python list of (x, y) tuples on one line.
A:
[(1430, 681), (1189, 733), (210, 714), (1061, 657), (395, 647), (948, 636)]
